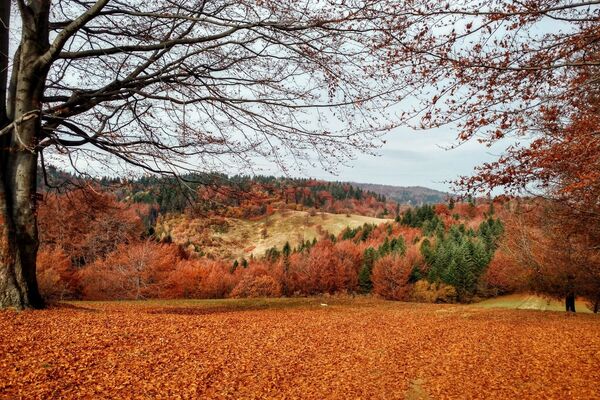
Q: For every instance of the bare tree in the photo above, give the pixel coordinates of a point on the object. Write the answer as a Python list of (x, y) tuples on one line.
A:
[(170, 86)]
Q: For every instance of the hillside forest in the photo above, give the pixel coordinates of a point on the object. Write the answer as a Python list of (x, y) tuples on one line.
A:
[(154, 239)]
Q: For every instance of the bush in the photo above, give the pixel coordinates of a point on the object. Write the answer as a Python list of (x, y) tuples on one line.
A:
[(426, 292), (55, 274), (391, 274), (257, 286)]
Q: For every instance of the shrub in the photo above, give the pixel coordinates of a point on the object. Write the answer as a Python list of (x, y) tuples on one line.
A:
[(426, 292), (392, 274), (55, 275), (257, 286)]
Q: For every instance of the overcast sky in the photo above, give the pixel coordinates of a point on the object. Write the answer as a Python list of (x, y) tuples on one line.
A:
[(414, 158)]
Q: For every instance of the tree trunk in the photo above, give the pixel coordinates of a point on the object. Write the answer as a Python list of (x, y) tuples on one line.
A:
[(570, 302), (18, 222), (20, 112), (18, 251)]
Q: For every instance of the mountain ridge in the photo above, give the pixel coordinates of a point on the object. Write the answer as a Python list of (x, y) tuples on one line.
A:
[(412, 195)]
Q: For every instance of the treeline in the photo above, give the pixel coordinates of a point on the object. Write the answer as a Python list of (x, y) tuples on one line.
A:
[(238, 196), (253, 196), (95, 247)]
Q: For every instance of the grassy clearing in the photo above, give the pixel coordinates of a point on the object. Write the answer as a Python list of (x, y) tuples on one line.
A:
[(526, 301), (245, 237), (235, 304)]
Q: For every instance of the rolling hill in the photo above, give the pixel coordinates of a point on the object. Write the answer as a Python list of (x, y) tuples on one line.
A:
[(236, 238), (413, 195)]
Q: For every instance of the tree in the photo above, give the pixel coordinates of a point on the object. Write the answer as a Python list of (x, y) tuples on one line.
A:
[(460, 257), (523, 69), (137, 271), (261, 285), (56, 277), (391, 274), (495, 66), (170, 85), (364, 276), (560, 256), (509, 68), (87, 224)]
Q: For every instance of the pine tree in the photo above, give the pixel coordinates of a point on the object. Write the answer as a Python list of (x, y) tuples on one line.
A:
[(287, 249), (384, 248), (234, 266), (364, 277)]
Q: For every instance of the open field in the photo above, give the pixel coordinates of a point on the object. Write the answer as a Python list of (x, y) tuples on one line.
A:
[(296, 348), (530, 302), (290, 226)]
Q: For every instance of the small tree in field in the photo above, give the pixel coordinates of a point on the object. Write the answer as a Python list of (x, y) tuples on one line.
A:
[(135, 272)]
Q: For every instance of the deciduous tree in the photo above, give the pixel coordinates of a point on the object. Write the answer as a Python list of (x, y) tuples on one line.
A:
[(170, 86)]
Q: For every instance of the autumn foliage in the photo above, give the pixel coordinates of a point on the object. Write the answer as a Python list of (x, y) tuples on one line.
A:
[(392, 273), (296, 348), (137, 271), (446, 253), (88, 223), (57, 279), (113, 254)]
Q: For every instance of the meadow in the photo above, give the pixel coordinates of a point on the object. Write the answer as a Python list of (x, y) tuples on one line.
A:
[(309, 348), (246, 237)]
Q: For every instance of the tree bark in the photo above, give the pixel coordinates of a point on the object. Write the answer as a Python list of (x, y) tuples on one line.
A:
[(18, 251), (18, 222), (19, 156)]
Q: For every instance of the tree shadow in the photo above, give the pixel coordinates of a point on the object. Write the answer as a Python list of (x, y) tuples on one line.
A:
[(68, 306), (204, 310)]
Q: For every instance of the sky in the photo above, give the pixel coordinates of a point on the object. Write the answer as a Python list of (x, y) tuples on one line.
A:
[(414, 158), (409, 158)]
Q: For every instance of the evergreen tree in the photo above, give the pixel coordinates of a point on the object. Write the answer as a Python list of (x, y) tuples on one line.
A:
[(234, 266), (366, 231), (364, 277), (397, 245), (384, 248), (460, 256), (272, 254), (287, 249)]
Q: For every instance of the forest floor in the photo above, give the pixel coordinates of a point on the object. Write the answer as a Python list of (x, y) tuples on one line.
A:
[(316, 348)]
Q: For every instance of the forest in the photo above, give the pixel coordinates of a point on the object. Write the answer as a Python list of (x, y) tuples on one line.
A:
[(106, 248)]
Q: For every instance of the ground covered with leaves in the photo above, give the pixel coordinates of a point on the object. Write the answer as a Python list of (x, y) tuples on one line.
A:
[(296, 349)]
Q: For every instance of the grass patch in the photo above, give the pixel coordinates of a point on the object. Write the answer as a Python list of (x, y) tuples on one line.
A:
[(526, 301)]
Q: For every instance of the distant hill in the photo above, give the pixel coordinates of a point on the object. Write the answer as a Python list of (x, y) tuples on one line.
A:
[(337, 197), (413, 195)]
